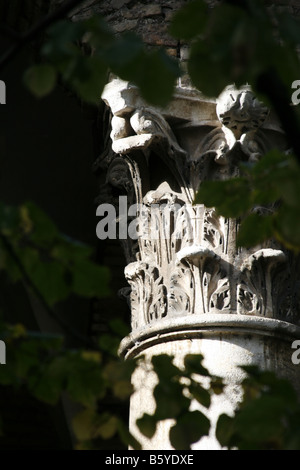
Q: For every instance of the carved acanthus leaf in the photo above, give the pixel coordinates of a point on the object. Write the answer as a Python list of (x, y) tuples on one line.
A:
[(186, 261), (255, 291)]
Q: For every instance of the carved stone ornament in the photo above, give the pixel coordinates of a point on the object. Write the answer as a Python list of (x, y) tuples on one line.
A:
[(188, 265)]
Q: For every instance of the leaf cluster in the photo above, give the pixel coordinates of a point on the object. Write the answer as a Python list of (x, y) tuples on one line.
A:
[(267, 418), (83, 54)]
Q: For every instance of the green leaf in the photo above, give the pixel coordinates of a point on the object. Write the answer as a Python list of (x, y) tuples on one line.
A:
[(18, 330), (224, 430), (37, 224), (109, 343), (255, 229), (266, 410), (9, 220), (44, 377), (68, 249), (45, 386), (84, 424), (117, 375), (289, 186), (94, 356), (153, 72), (119, 327), (85, 74), (127, 438), (267, 418), (190, 20), (231, 198), (122, 389), (204, 70), (276, 386), (270, 161), (89, 279), (56, 265), (64, 31), (85, 382), (157, 79), (40, 79), (147, 425), (287, 227), (190, 427), (107, 426), (293, 443), (99, 32), (62, 35), (48, 277), (123, 55), (88, 79), (212, 63)]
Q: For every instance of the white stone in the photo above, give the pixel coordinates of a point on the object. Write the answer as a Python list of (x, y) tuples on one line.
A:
[(192, 290)]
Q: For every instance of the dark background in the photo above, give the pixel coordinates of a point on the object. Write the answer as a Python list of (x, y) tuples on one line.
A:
[(47, 150)]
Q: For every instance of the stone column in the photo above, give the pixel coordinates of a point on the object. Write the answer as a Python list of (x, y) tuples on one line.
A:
[(191, 289)]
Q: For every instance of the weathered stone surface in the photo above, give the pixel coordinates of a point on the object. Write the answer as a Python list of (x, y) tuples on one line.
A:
[(225, 347), (157, 35), (118, 3), (187, 277), (144, 11), (199, 268), (192, 290), (128, 25)]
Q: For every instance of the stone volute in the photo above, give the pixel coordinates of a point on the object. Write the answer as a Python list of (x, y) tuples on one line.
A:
[(191, 289)]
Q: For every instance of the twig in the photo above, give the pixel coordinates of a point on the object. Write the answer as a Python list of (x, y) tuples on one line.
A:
[(26, 278), (32, 33), (9, 32)]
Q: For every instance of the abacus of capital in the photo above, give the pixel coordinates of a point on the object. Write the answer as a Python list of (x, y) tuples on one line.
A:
[(191, 289)]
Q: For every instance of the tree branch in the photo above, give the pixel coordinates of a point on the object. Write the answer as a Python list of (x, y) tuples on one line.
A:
[(7, 31), (37, 29), (26, 278)]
